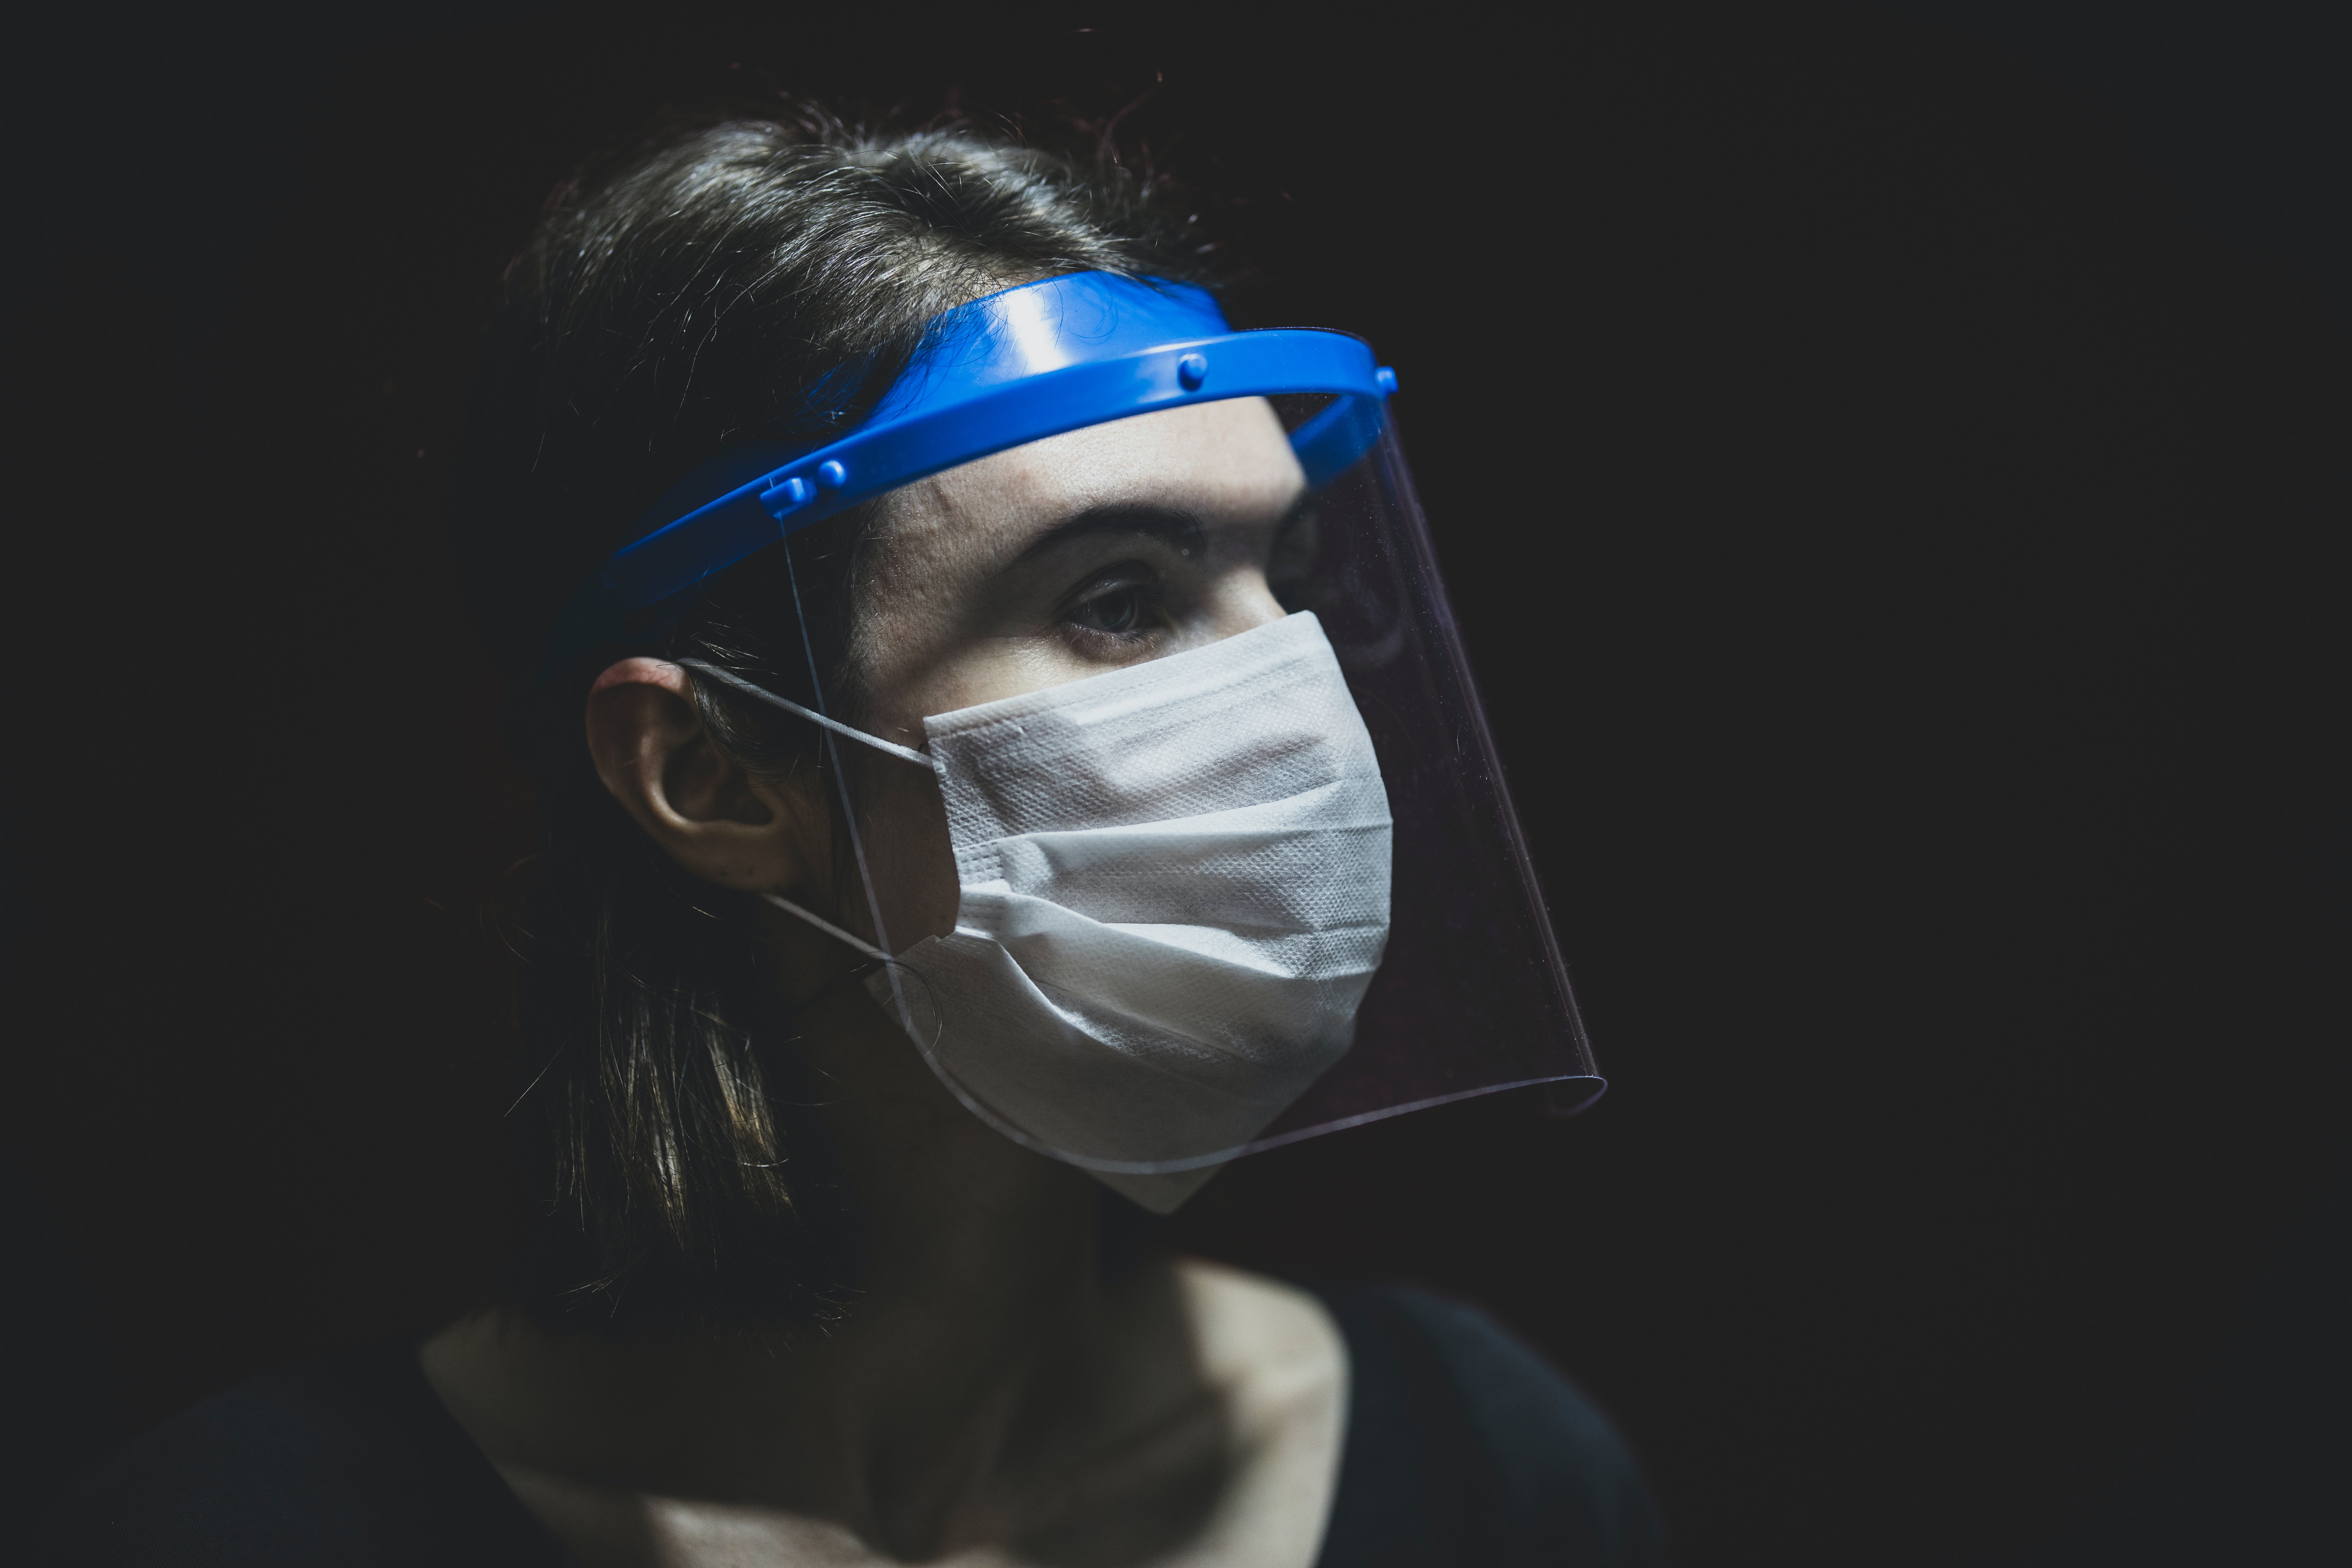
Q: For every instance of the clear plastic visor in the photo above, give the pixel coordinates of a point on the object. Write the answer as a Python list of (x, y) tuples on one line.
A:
[(1188, 838)]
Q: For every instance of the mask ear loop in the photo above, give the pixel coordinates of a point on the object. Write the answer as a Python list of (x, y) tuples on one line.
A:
[(889, 965), (905, 753), (830, 929), (893, 968), (834, 730)]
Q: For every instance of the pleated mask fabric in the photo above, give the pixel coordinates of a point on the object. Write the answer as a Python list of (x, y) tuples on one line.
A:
[(1174, 891)]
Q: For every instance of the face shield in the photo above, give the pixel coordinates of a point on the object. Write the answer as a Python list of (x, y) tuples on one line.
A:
[(1173, 821)]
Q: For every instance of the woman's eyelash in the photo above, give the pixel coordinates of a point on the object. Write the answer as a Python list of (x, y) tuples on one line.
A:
[(1116, 610), (1116, 606)]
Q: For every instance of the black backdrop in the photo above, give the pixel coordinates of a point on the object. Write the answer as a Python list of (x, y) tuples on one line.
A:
[(1900, 539)]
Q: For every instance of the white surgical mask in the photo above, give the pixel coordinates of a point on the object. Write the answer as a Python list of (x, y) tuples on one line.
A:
[(1174, 890)]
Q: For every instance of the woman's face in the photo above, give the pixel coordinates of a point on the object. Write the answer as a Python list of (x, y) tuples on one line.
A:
[(1048, 564)]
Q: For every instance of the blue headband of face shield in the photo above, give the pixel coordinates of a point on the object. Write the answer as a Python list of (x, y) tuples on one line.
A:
[(1001, 372)]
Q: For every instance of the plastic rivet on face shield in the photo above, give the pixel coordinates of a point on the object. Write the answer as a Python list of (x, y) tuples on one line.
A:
[(1263, 884)]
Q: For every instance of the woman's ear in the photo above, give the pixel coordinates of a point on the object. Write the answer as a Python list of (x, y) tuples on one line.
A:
[(715, 820)]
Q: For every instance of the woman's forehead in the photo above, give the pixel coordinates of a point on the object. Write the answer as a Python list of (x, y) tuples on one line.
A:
[(1226, 463)]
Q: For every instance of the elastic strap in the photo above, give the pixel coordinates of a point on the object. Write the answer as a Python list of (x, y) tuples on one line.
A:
[(906, 754), (827, 927)]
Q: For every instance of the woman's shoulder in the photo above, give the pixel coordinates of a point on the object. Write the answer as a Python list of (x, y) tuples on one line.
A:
[(347, 1459), (1465, 1446)]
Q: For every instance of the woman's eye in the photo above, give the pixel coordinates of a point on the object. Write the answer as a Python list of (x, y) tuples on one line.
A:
[(1118, 612)]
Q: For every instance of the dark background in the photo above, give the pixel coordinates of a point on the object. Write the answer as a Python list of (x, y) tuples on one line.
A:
[(1892, 463)]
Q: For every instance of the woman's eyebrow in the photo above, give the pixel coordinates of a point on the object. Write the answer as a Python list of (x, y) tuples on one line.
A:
[(1177, 528)]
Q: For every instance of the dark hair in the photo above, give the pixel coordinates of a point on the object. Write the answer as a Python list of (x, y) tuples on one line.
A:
[(741, 280)]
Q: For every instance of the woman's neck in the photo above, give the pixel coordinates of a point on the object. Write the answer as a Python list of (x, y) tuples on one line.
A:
[(980, 1345)]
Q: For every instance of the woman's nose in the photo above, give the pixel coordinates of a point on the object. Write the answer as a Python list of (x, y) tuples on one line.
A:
[(1243, 600)]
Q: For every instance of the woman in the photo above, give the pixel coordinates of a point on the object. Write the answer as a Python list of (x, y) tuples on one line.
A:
[(1002, 744)]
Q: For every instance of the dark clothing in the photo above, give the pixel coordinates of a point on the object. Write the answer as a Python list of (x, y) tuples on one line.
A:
[(1463, 1449)]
